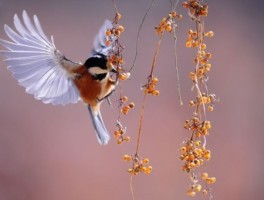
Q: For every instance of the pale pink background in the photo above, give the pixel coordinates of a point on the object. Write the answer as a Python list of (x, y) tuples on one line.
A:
[(51, 153)]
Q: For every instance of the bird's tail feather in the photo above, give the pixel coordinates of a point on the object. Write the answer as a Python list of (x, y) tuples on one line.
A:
[(101, 132)]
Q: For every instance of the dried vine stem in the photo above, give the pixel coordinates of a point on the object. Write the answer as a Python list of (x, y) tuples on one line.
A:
[(140, 27)]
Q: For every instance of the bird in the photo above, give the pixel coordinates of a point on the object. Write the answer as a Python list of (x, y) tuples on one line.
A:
[(45, 72)]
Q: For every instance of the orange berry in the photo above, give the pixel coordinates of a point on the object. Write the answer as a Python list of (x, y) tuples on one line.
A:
[(145, 161), (117, 32), (205, 192), (118, 16), (107, 42), (125, 110), (108, 32), (155, 92), (203, 46), (188, 44), (210, 34), (197, 188), (185, 4), (127, 157), (117, 133), (127, 139), (168, 28), (121, 28), (210, 108), (204, 176), (131, 105), (191, 193), (124, 99), (173, 14)]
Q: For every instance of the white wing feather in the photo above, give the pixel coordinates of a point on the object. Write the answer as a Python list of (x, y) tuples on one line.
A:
[(99, 45), (36, 63)]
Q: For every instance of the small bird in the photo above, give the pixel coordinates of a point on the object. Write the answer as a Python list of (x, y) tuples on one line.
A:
[(47, 74)]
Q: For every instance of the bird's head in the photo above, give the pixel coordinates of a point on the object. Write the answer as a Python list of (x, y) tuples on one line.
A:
[(98, 66)]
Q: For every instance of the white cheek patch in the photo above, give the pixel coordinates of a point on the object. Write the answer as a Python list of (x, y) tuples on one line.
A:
[(97, 70)]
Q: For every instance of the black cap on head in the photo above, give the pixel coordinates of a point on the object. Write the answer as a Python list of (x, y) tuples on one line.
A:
[(98, 60)]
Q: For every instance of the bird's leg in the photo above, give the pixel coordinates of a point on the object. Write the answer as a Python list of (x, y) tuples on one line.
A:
[(106, 97), (109, 102)]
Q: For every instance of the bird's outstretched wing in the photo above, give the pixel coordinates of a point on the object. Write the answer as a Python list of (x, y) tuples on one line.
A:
[(99, 44), (36, 63)]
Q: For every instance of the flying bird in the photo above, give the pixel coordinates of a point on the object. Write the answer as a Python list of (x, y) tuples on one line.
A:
[(46, 73)]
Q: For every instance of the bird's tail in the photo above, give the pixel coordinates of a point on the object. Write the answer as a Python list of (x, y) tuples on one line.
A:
[(101, 132)]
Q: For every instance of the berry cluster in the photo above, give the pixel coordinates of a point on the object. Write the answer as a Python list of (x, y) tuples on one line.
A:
[(115, 56), (167, 23), (196, 8), (199, 128), (139, 164), (125, 108), (120, 132), (114, 32), (196, 188), (150, 87), (204, 99), (194, 152)]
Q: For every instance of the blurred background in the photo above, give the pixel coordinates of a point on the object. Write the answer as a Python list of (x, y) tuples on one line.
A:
[(49, 152)]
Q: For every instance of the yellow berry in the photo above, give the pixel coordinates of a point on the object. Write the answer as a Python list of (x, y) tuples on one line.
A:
[(198, 188), (148, 170), (210, 34), (204, 176), (183, 149), (127, 139), (143, 169), (210, 108), (155, 92), (127, 157), (191, 193), (210, 180), (197, 143), (203, 46), (121, 28), (130, 171), (119, 141), (145, 161), (155, 80), (188, 44), (191, 103)]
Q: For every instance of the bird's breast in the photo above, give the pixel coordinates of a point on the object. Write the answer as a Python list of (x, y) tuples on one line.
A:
[(89, 88)]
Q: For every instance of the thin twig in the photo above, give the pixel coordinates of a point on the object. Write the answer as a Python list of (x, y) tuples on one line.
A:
[(131, 187), (176, 65), (141, 25)]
